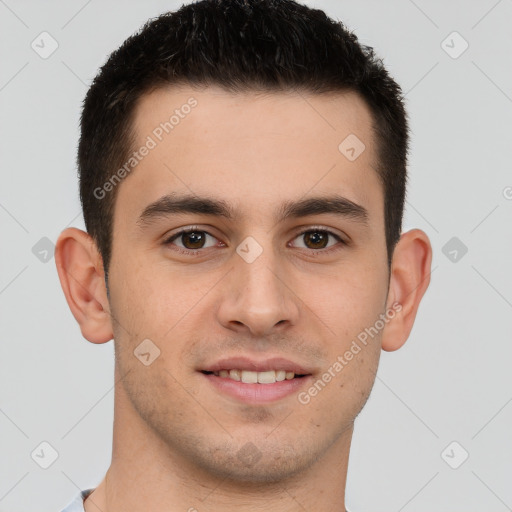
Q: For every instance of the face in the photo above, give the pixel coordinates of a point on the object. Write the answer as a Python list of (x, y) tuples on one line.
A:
[(265, 274)]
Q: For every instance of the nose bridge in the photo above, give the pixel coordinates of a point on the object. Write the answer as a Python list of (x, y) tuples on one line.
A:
[(260, 281), (258, 296)]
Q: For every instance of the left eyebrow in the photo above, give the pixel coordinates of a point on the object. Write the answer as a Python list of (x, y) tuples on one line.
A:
[(333, 204), (181, 204)]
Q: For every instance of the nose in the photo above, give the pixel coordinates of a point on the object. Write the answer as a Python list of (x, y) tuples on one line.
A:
[(258, 297)]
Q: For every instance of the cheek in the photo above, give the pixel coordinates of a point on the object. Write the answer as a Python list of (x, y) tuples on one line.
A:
[(348, 302), (349, 306), (134, 303), (139, 288), (152, 301)]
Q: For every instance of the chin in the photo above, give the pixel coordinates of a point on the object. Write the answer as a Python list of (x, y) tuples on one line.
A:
[(252, 465)]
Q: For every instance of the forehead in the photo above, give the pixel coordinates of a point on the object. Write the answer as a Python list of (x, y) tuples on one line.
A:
[(252, 149)]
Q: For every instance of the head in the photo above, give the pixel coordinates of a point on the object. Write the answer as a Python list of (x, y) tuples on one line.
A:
[(260, 120)]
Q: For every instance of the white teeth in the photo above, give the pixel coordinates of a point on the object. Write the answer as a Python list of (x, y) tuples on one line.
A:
[(280, 375), (250, 377), (235, 375), (267, 377)]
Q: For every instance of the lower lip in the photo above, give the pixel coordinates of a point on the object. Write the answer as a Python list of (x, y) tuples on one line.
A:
[(257, 393)]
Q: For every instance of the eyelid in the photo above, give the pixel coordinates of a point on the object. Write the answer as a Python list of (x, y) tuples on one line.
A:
[(306, 229)]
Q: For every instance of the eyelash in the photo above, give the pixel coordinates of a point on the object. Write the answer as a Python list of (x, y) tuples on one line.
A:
[(193, 229)]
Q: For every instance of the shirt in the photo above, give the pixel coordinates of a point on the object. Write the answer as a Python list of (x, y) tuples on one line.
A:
[(77, 505)]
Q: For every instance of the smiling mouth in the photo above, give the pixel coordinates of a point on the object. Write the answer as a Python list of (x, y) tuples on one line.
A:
[(252, 377)]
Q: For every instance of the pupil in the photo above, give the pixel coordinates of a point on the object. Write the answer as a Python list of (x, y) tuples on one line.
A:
[(196, 239), (317, 237)]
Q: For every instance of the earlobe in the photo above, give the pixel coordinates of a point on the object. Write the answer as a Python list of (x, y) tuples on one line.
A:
[(81, 276), (410, 278)]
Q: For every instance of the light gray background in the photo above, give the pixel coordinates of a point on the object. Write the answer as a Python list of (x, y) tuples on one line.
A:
[(452, 379)]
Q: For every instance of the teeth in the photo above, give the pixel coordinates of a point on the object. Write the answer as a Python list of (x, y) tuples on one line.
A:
[(267, 377), (235, 375), (280, 375), (250, 377)]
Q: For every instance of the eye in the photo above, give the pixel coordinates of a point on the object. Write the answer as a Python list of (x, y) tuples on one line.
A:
[(318, 239), (191, 239)]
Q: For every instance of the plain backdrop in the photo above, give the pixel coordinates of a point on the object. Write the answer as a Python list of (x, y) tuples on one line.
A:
[(436, 432)]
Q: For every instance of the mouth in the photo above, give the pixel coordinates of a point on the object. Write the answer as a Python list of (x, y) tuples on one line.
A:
[(256, 388), (257, 381), (254, 377)]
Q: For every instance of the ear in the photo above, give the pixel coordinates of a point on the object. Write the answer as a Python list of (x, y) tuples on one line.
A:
[(409, 280), (82, 278)]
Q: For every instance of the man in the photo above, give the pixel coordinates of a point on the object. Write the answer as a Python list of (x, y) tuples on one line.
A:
[(242, 175)]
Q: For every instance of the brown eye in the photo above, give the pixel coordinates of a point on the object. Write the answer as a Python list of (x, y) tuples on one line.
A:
[(318, 239), (191, 239)]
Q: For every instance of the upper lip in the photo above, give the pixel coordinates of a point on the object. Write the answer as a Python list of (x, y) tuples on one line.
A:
[(245, 363)]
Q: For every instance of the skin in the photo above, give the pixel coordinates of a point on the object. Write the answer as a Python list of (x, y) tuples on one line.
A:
[(175, 435)]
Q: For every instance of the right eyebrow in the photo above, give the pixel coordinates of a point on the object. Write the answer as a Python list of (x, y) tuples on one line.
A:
[(173, 204)]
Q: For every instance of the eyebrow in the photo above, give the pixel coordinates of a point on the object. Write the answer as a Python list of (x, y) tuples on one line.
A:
[(172, 204)]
